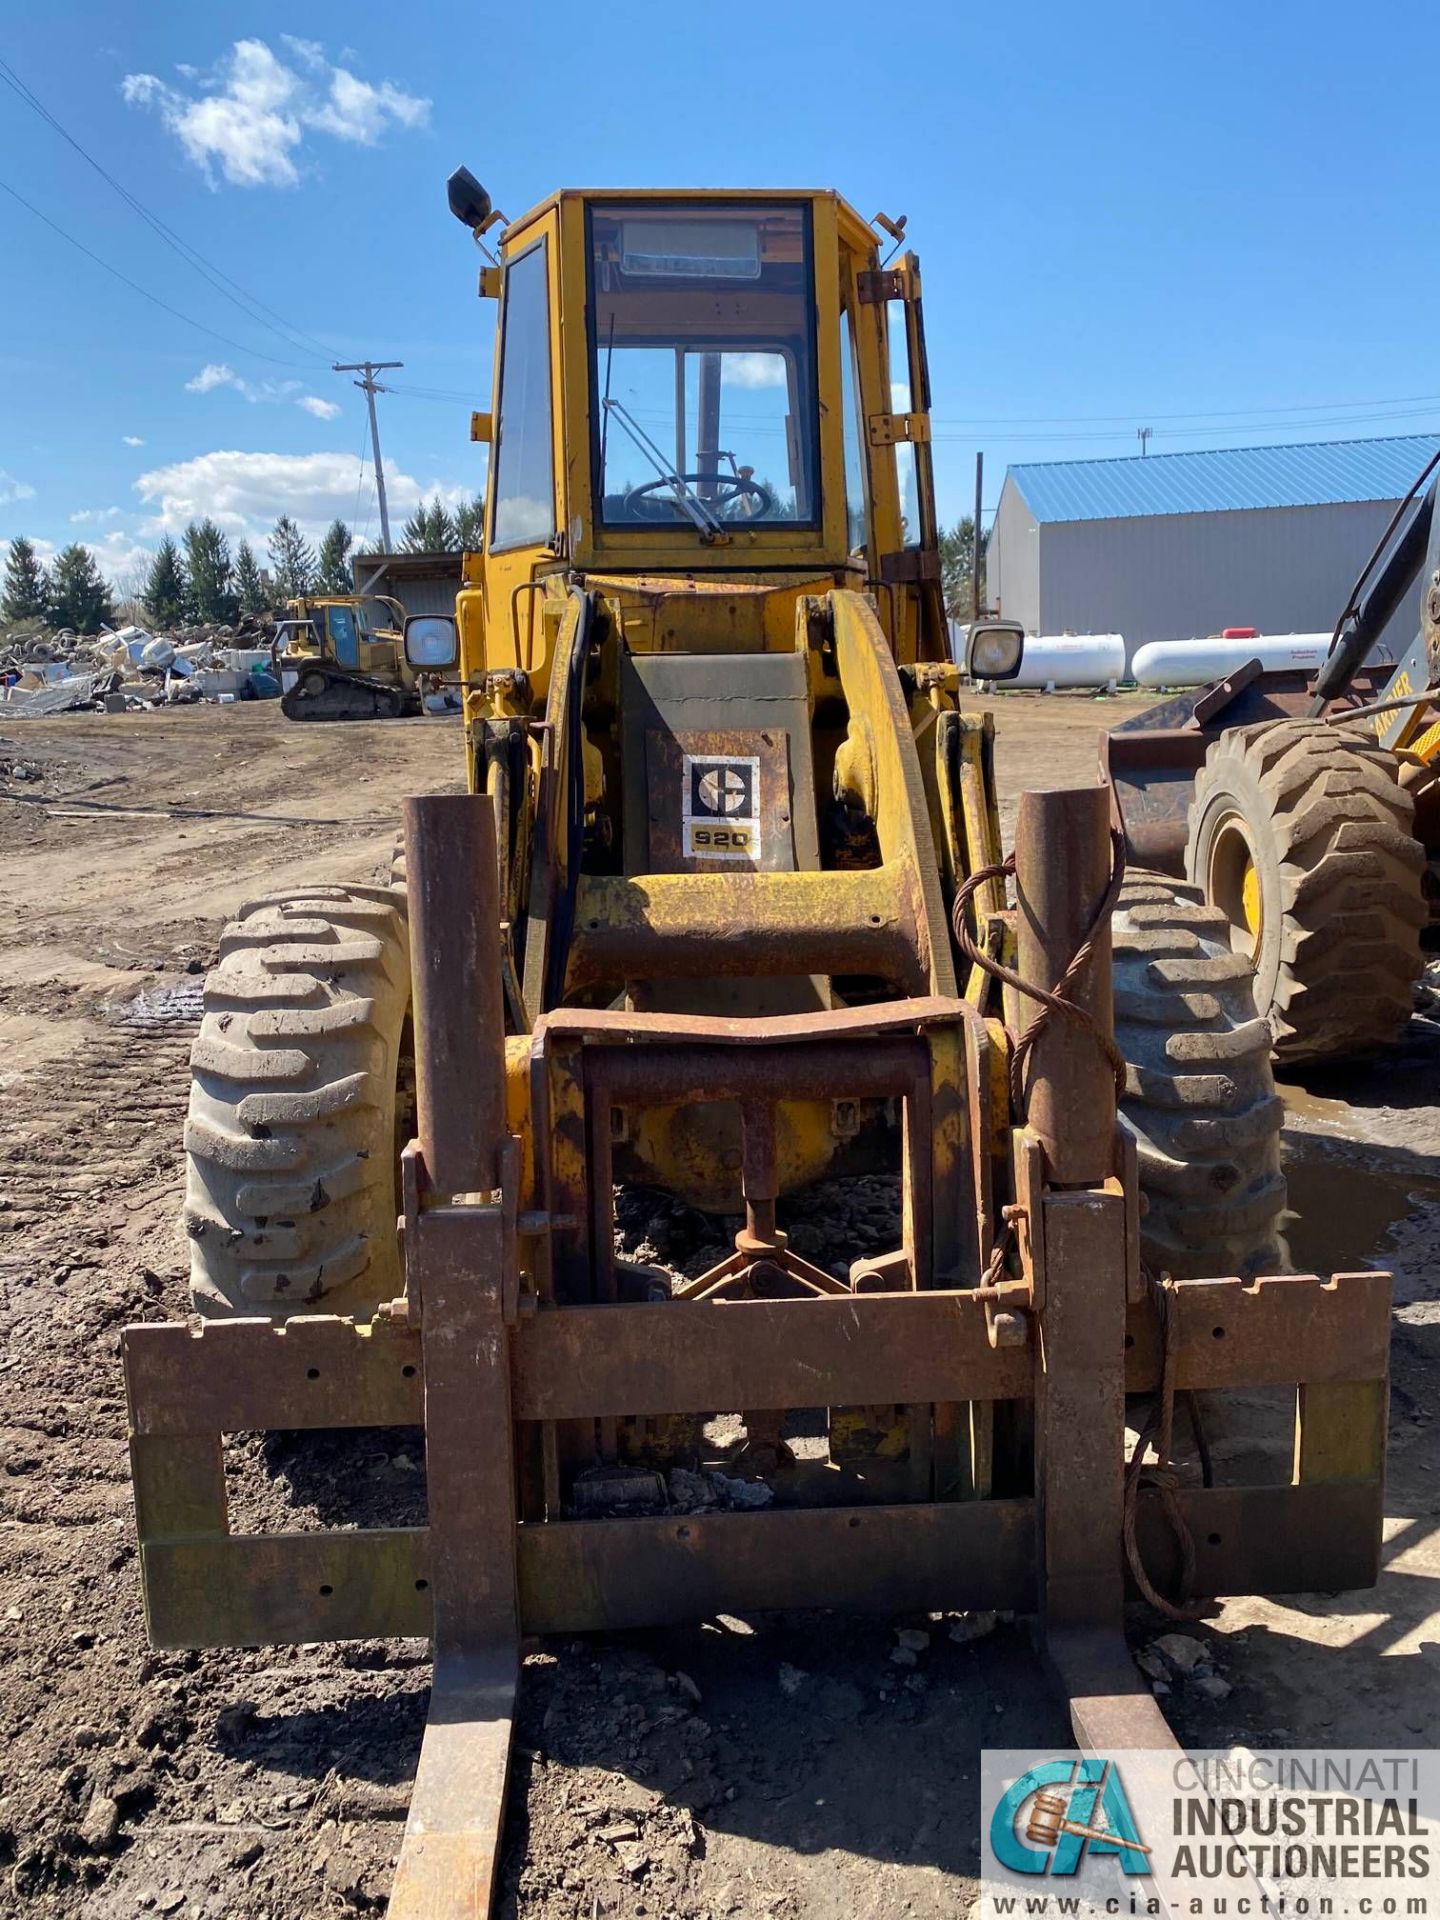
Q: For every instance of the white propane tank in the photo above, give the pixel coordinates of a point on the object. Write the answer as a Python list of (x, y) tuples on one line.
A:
[(1071, 660), (1195, 663)]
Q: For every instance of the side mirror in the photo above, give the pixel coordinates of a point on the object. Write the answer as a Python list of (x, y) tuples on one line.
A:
[(994, 649), (469, 202), (431, 641)]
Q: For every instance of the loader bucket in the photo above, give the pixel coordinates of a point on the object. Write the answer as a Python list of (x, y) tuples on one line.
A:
[(523, 1349), (1151, 761)]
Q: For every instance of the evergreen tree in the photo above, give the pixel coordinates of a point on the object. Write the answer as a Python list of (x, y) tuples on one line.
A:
[(210, 572), (292, 559), (333, 564), (470, 524), (26, 592), (79, 593), (249, 587), (166, 590), (415, 535), (430, 529), (957, 567)]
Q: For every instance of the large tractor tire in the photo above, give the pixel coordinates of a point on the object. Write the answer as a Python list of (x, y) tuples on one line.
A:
[(1200, 1096), (1303, 838), (298, 1107)]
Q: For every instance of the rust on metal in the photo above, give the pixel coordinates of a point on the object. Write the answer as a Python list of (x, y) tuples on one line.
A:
[(1062, 873), (649, 1572), (447, 1864), (719, 796), (455, 915), (674, 1357), (709, 925)]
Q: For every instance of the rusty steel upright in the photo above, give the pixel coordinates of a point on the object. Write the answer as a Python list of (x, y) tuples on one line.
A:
[(455, 937), (1062, 873), (461, 1252), (1062, 869)]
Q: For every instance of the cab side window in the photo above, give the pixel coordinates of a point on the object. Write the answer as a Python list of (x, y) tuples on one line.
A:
[(524, 440)]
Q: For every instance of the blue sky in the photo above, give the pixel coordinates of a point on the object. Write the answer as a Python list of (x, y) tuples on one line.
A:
[(1212, 220)]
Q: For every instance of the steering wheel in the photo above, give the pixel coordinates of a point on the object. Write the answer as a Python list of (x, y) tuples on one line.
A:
[(730, 488)]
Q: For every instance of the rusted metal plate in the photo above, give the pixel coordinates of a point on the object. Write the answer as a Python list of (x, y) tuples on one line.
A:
[(1276, 1331), (179, 1484), (1340, 1430), (281, 1589), (1111, 1706), (459, 1255), (254, 1376), (914, 1015), (1320, 1538), (1080, 1409), (579, 1575), (454, 892), (714, 1356), (713, 924), (446, 1869), (719, 797)]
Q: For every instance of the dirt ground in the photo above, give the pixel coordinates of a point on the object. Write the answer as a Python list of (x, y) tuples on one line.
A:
[(788, 1766)]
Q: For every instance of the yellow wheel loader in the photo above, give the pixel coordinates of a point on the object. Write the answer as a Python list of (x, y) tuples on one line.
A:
[(340, 657), (723, 915)]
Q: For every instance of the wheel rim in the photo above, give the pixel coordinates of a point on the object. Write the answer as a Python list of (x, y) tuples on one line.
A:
[(1233, 884)]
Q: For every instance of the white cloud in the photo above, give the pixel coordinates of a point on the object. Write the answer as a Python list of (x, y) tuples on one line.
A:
[(122, 559), (752, 370), (96, 515), (247, 122), (245, 492), (214, 374), (132, 440), (12, 490)]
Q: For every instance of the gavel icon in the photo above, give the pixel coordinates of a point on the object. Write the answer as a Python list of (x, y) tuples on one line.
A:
[(1047, 1822)]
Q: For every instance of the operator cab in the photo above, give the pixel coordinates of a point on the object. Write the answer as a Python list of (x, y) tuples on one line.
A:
[(710, 393), (702, 329)]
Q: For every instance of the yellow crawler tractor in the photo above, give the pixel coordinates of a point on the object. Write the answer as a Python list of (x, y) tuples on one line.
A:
[(340, 657), (724, 914)]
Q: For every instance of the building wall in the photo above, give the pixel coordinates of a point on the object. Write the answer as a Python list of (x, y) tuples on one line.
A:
[(1012, 560), (421, 582), (1174, 576)]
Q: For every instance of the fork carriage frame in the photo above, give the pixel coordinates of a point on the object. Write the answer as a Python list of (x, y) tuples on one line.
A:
[(514, 1348)]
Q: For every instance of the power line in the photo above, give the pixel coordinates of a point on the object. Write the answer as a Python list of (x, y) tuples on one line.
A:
[(1428, 400), (229, 289), (135, 287)]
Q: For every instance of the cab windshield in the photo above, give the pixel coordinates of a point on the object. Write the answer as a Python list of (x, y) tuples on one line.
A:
[(703, 339)]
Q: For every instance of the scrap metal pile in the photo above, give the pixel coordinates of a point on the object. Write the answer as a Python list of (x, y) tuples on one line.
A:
[(130, 669)]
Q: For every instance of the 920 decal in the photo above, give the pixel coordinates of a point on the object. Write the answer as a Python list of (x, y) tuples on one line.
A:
[(721, 809)]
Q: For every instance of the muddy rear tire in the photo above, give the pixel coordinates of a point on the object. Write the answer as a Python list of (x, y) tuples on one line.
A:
[(1309, 832), (1200, 1099), (294, 1123)]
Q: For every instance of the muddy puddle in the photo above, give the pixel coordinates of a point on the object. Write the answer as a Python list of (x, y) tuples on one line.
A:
[(1351, 1213)]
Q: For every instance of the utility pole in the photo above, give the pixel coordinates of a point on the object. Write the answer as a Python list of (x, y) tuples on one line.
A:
[(1142, 434), (370, 387), (975, 538)]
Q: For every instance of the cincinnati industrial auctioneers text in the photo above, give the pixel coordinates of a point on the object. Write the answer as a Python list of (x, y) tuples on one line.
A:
[(1304, 1816), (1272, 1835)]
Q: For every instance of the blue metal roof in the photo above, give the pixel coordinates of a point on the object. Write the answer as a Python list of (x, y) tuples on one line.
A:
[(1224, 480)]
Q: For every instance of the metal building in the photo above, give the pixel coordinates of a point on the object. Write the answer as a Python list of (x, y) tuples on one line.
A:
[(421, 582), (1184, 544)]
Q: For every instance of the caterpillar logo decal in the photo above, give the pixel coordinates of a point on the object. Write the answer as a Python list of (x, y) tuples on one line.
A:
[(721, 818)]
